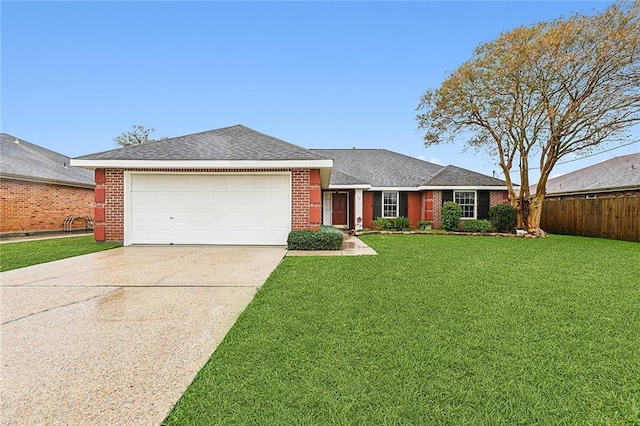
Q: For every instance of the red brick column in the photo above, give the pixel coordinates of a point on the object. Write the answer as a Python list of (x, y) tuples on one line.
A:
[(437, 210), (428, 206), (315, 200), (98, 212), (114, 205), (306, 196)]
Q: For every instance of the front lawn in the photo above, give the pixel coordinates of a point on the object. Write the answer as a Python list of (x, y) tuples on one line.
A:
[(435, 330), (27, 253)]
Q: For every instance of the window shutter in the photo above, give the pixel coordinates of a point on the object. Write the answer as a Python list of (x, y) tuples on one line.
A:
[(377, 205), (483, 204), (447, 196), (403, 204)]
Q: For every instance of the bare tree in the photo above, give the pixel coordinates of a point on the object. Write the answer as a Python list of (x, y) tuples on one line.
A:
[(136, 136), (539, 93)]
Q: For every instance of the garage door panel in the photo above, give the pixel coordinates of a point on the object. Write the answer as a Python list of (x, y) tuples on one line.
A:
[(209, 209)]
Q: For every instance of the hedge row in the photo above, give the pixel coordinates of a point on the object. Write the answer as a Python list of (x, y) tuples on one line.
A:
[(327, 238)]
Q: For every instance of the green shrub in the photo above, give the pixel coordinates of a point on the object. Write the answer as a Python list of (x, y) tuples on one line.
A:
[(503, 217), (400, 223), (394, 224), (327, 238), (473, 225), (451, 214), (380, 224), (424, 224)]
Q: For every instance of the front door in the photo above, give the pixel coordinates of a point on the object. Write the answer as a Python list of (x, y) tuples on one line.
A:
[(339, 204)]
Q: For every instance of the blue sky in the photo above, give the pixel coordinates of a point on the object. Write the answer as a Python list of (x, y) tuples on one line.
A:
[(316, 74)]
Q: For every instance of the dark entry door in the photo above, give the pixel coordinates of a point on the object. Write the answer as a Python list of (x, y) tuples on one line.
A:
[(339, 205)]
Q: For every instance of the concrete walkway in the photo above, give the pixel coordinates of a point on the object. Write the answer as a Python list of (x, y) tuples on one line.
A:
[(116, 337), (352, 246)]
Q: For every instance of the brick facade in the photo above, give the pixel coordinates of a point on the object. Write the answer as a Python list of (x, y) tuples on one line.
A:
[(109, 196), (39, 207), (433, 205), (498, 197), (437, 210)]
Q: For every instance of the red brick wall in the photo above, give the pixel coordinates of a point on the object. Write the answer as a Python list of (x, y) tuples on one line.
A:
[(414, 208), (306, 202), (498, 197), (32, 207)]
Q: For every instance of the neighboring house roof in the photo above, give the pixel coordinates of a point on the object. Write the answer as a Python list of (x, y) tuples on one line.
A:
[(235, 143), (23, 160), (381, 168), (619, 173)]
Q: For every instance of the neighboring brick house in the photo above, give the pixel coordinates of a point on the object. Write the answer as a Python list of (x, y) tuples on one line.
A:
[(238, 186), (370, 183), (38, 188), (617, 177)]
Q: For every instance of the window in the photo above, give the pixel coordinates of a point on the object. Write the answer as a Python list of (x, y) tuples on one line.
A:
[(467, 200), (390, 204)]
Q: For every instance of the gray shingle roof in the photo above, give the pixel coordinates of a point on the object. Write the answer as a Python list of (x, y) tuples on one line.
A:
[(28, 161), (382, 168), (456, 176), (229, 143), (617, 173), (377, 167)]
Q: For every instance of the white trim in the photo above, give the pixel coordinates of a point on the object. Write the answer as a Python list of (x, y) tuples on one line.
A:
[(475, 203), (395, 188), (327, 199), (463, 188), (433, 188), (397, 203), (127, 191), (200, 164), (357, 207), (359, 186)]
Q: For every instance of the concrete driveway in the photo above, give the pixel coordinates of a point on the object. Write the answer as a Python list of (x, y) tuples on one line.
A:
[(116, 337)]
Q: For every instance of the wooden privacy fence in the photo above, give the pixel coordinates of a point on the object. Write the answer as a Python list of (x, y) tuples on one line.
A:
[(613, 218)]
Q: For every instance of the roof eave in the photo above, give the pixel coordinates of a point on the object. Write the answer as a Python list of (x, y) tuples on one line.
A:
[(200, 164), (350, 186), (463, 187), (48, 181)]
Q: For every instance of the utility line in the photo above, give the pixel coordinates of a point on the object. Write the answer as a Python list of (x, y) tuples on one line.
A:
[(585, 156)]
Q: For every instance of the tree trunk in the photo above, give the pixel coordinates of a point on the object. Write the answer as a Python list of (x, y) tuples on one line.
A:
[(534, 216)]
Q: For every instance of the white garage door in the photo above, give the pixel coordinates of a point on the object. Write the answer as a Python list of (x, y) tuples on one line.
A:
[(208, 209)]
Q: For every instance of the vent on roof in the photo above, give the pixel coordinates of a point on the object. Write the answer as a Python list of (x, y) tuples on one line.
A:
[(17, 142)]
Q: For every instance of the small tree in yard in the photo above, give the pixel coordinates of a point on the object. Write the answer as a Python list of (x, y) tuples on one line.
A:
[(137, 136), (539, 93), (451, 214)]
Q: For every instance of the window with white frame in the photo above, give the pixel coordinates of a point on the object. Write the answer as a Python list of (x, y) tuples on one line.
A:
[(390, 204), (467, 200)]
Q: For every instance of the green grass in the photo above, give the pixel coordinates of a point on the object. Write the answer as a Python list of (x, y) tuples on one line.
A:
[(27, 253), (435, 330)]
